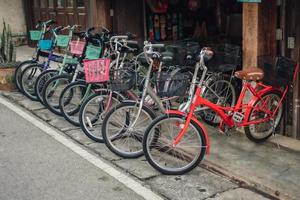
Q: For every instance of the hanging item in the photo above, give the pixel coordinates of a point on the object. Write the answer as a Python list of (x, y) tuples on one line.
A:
[(158, 6), (193, 5), (151, 29), (156, 28), (175, 27), (163, 22), (169, 27)]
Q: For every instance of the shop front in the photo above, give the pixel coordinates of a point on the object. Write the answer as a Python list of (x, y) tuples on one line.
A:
[(270, 28), (257, 27)]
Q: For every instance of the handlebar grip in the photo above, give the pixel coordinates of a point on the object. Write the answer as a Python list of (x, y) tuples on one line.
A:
[(159, 46), (208, 51), (104, 29), (132, 42)]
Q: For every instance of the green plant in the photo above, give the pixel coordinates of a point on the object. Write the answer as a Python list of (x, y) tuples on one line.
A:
[(7, 48)]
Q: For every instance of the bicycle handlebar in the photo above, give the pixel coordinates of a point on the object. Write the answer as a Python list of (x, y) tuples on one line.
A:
[(45, 24)]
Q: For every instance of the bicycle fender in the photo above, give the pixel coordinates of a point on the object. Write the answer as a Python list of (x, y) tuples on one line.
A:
[(254, 99), (198, 123)]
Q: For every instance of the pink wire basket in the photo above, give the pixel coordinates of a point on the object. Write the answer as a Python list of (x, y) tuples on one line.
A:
[(77, 47), (96, 71)]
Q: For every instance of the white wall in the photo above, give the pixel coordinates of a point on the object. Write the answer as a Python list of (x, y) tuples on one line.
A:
[(13, 13)]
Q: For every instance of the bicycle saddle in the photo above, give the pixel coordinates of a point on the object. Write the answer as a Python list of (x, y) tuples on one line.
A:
[(250, 74)]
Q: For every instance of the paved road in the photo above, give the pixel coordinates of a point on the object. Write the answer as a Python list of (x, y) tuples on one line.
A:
[(35, 166)]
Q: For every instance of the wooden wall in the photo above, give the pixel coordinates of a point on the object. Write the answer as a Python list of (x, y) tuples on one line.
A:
[(100, 13)]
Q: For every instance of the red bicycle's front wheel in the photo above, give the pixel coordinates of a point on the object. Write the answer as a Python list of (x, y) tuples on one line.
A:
[(262, 109), (169, 159)]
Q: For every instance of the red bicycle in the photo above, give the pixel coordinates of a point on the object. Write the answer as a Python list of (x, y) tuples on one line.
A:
[(176, 142)]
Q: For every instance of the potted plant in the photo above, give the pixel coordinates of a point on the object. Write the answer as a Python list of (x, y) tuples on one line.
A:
[(7, 59)]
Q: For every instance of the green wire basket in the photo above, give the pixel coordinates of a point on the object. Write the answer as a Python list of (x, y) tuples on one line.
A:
[(92, 52), (35, 35), (62, 40), (71, 60)]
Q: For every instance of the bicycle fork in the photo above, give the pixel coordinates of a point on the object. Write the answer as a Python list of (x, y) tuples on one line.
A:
[(187, 121)]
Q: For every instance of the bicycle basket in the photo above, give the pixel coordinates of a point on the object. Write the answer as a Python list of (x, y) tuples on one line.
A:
[(70, 60), (96, 71), (45, 44), (169, 85), (35, 35), (92, 52), (77, 47), (62, 40), (278, 71), (123, 79)]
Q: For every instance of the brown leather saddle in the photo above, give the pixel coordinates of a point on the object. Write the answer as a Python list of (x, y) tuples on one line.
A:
[(250, 74)]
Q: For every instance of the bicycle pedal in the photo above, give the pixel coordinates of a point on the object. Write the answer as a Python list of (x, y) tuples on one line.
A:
[(238, 117)]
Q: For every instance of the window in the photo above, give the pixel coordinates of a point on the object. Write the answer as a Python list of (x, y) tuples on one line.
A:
[(43, 3), (70, 3), (50, 4), (80, 3), (60, 3)]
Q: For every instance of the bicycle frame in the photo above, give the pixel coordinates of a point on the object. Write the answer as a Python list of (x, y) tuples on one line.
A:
[(257, 93)]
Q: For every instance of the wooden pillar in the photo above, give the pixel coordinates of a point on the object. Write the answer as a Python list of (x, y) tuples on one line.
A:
[(259, 31), (250, 34)]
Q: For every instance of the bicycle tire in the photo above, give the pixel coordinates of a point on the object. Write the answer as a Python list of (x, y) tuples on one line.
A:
[(40, 82), (133, 151), (152, 143), (89, 124), (69, 114), (248, 129), (27, 80), (47, 92), (19, 70)]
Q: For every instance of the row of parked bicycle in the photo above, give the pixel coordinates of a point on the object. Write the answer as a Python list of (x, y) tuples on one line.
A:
[(143, 102)]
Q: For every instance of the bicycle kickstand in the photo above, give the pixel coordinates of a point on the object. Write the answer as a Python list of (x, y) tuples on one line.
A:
[(274, 134)]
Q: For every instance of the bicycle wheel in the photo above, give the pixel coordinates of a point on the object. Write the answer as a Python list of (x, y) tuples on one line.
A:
[(19, 71), (28, 78), (52, 91), (220, 92), (71, 99), (92, 113), (41, 81), (262, 131), (159, 151), (118, 137)]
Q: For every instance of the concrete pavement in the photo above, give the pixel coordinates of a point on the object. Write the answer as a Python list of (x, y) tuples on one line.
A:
[(35, 166)]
